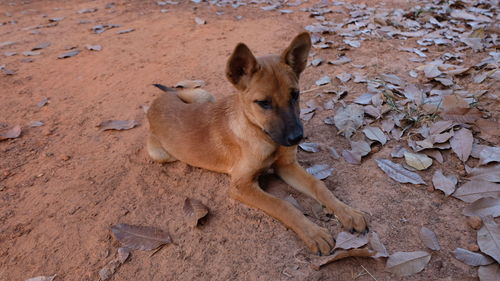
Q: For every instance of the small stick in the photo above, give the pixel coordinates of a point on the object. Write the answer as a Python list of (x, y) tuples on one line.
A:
[(368, 272), (314, 89)]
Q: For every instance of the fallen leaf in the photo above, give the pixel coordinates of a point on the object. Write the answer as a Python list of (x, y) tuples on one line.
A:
[(340, 61), (374, 133), (398, 173), (477, 189), (318, 262), (429, 239), (118, 124), (436, 154), (488, 238), (68, 54), (123, 254), (484, 207), (40, 46), (200, 21), (461, 143), (43, 102), (489, 154), (489, 129), (364, 99), (333, 152), (309, 146), (316, 62), (34, 124), (407, 263), (417, 160), (443, 183), (196, 211), (491, 173), (353, 43), (42, 278), (344, 77), (323, 81), (190, 84), (398, 152), (11, 133), (376, 245), (31, 53), (348, 119), (93, 47), (128, 30), (393, 79), (348, 241), (320, 171), (140, 237), (489, 273), (471, 258)]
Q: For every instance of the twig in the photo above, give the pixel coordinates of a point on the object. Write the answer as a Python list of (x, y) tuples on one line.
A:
[(367, 271), (314, 89)]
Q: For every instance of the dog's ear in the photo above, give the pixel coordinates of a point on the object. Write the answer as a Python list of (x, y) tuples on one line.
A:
[(296, 54), (241, 66)]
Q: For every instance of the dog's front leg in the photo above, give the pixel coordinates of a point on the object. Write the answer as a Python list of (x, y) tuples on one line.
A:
[(293, 174), (247, 191)]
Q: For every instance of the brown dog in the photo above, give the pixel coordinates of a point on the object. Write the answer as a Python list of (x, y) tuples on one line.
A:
[(243, 135)]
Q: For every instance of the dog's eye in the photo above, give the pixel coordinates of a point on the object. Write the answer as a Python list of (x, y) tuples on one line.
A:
[(266, 104), (295, 95)]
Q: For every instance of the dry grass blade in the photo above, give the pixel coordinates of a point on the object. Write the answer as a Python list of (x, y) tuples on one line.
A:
[(196, 210), (317, 263), (11, 133), (140, 237), (429, 239)]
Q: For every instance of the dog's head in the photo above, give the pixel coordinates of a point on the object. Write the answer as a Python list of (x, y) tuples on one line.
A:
[(270, 88)]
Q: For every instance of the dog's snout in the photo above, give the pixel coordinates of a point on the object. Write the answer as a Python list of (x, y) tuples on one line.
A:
[(295, 137)]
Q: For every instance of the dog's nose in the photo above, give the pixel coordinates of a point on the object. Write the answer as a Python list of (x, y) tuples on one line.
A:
[(295, 137)]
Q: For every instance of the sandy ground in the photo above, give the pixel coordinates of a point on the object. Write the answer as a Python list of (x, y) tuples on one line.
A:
[(62, 185)]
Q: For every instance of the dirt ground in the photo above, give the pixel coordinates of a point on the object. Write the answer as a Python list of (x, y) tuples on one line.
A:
[(64, 184)]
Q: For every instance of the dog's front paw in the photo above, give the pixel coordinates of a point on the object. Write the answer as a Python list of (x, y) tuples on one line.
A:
[(317, 239), (352, 219)]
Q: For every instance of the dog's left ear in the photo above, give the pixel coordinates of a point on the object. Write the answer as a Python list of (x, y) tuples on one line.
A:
[(296, 54)]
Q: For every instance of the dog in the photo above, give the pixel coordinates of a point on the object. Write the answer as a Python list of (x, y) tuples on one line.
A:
[(245, 134)]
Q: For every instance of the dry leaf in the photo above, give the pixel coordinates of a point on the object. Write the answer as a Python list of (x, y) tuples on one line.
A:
[(364, 99), (491, 174), (42, 278), (358, 150), (477, 189), (323, 81), (318, 262), (407, 263), (398, 152), (196, 211), (393, 79), (489, 273), (489, 154), (118, 124), (123, 254), (376, 245), (309, 146), (348, 119), (68, 54), (417, 160), (11, 133), (461, 143), (348, 241), (488, 238), (190, 84), (443, 183), (321, 171), (140, 237), (429, 239), (43, 102), (434, 153), (398, 173), (484, 207), (374, 133), (471, 258), (333, 152), (440, 126)]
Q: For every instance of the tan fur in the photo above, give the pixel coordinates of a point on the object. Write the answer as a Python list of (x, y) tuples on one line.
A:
[(231, 136)]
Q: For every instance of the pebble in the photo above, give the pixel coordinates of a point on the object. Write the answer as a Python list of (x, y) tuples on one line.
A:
[(474, 222)]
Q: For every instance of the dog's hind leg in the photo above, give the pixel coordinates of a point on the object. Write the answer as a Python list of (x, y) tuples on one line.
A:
[(157, 152)]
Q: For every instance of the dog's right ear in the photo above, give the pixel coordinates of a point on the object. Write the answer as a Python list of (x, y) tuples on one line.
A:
[(241, 66)]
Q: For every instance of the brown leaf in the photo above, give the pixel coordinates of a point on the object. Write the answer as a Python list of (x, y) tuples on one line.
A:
[(407, 263), (472, 258), (488, 238), (140, 237), (434, 153), (477, 189), (398, 173), (464, 115), (11, 133), (190, 84), (376, 245), (429, 239), (489, 154), (118, 124), (490, 130), (489, 273), (374, 133), (443, 183), (309, 146), (461, 143), (440, 126), (348, 241), (318, 262), (484, 207), (348, 119), (490, 174), (196, 211)]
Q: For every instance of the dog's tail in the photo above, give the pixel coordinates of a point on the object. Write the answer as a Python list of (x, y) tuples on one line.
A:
[(165, 88), (196, 95)]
